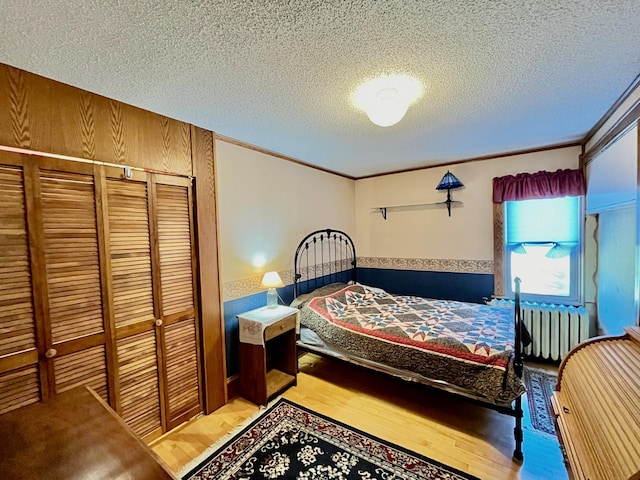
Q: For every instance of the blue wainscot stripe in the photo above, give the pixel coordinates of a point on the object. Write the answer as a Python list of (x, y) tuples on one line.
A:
[(464, 287), (241, 305)]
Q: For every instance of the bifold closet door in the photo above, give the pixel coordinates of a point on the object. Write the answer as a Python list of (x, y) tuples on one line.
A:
[(97, 288), (131, 303), (76, 342), (177, 298), (19, 359), (53, 311), (152, 299)]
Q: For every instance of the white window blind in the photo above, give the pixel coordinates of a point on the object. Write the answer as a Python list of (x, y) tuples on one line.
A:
[(548, 220), (542, 238)]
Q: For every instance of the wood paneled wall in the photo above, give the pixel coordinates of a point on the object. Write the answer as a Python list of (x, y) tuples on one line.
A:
[(43, 115), (40, 114)]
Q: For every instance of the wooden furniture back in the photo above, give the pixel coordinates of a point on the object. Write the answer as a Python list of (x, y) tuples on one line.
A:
[(74, 435), (597, 407)]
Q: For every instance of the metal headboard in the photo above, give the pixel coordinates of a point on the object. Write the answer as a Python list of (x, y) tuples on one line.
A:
[(323, 257)]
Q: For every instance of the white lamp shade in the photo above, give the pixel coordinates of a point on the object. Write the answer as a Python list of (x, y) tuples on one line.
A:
[(272, 280)]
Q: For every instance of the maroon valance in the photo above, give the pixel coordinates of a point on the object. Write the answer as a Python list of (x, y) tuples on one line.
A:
[(527, 186)]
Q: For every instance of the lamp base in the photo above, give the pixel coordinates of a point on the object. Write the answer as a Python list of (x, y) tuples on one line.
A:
[(272, 298)]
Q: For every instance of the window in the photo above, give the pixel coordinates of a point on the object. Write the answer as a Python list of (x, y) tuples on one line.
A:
[(542, 247)]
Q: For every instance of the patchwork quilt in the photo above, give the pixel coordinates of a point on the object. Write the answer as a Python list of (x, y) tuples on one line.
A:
[(464, 344)]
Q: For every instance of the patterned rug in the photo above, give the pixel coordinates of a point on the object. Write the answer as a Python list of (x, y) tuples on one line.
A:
[(540, 385), (289, 441)]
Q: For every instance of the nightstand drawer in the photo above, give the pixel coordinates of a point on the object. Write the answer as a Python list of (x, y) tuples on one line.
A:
[(282, 326)]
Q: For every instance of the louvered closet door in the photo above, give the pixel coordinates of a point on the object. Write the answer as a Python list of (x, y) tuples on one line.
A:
[(53, 335), (19, 366), (152, 299), (134, 313), (97, 288), (71, 286), (176, 256)]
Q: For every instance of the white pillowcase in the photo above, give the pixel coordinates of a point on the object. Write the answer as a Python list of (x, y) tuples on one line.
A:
[(371, 289)]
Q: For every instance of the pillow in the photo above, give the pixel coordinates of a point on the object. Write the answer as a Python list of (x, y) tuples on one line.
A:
[(301, 300), (371, 289)]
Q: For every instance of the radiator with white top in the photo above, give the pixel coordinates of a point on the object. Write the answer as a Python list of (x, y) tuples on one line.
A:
[(554, 329)]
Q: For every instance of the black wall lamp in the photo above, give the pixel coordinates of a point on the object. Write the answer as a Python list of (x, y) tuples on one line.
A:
[(448, 182)]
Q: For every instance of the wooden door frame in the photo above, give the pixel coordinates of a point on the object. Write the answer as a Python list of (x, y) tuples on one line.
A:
[(206, 234)]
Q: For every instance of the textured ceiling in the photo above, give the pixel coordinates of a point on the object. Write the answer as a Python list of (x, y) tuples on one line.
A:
[(500, 75)]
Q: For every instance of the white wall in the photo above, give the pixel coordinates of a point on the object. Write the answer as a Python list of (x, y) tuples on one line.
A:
[(611, 195), (612, 175), (266, 205), (616, 270), (427, 232)]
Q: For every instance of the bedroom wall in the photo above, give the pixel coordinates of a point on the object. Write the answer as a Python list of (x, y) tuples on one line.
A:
[(616, 274), (612, 175), (421, 250), (612, 161), (611, 199), (266, 206)]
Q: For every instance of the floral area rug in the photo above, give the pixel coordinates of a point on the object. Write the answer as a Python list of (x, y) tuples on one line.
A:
[(540, 385), (289, 441)]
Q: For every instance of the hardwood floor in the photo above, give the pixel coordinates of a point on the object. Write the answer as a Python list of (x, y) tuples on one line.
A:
[(447, 429)]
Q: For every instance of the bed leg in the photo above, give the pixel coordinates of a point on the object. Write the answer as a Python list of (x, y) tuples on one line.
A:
[(518, 368), (517, 432)]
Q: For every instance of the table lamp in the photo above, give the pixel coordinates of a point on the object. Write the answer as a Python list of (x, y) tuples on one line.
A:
[(271, 280)]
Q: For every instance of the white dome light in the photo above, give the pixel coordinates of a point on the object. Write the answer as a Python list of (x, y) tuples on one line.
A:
[(386, 99)]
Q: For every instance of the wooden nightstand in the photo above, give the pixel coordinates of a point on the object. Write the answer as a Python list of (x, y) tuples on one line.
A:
[(268, 363)]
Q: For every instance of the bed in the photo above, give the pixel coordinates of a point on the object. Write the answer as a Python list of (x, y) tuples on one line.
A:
[(470, 350)]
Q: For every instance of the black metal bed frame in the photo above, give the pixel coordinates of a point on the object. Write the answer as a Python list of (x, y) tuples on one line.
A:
[(337, 248), (344, 258)]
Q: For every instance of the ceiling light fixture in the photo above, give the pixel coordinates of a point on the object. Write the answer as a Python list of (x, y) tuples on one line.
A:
[(386, 99)]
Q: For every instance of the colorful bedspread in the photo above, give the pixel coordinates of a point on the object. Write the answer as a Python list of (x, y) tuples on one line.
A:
[(464, 344)]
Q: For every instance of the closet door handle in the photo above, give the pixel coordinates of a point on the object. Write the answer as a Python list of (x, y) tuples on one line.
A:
[(52, 352), (158, 322)]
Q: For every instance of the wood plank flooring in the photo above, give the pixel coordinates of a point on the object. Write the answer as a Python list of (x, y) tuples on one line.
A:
[(447, 429)]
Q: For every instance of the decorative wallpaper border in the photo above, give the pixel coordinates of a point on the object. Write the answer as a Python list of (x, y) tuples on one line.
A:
[(428, 264), (252, 285)]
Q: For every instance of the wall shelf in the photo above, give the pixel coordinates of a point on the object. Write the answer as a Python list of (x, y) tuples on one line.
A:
[(417, 206)]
